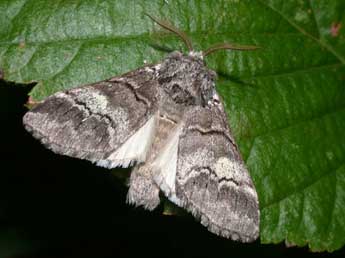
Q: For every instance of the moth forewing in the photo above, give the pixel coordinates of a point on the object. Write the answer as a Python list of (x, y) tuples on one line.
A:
[(93, 122), (211, 180)]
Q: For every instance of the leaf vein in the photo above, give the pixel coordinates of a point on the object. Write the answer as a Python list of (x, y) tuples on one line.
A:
[(305, 187), (307, 34), (76, 53), (303, 70), (298, 123)]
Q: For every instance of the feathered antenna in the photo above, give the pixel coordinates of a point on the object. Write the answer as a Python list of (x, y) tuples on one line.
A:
[(173, 29)]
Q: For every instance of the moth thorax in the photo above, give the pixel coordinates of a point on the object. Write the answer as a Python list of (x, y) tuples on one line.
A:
[(186, 79), (189, 91)]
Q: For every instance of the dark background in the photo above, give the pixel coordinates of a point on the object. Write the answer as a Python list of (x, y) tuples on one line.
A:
[(55, 206)]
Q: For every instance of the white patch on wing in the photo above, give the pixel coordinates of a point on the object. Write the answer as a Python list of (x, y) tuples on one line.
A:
[(229, 169), (134, 149), (92, 98), (165, 167)]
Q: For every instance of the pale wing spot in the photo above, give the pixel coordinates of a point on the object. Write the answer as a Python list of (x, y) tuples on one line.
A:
[(98, 103), (93, 99), (231, 169)]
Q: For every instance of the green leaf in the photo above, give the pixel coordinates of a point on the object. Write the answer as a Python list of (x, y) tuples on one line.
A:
[(286, 102)]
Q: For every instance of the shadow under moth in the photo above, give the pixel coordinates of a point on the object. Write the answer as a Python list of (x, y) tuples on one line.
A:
[(168, 121)]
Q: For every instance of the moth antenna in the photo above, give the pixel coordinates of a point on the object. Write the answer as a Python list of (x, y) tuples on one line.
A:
[(222, 46), (173, 29)]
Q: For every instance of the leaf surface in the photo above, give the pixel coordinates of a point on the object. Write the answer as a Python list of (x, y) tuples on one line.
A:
[(285, 102)]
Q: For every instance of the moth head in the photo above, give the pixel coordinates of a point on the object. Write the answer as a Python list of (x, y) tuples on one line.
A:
[(185, 77)]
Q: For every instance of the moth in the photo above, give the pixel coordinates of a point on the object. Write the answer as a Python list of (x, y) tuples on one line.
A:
[(167, 121)]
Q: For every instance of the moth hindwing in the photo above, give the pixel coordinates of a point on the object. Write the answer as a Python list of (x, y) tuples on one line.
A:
[(169, 122)]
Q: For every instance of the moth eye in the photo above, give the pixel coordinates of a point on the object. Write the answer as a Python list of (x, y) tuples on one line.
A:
[(215, 99)]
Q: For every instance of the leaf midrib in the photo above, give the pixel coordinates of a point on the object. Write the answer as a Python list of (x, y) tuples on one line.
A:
[(146, 36)]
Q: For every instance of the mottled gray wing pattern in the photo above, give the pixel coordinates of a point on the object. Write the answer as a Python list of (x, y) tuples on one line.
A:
[(212, 181), (95, 121)]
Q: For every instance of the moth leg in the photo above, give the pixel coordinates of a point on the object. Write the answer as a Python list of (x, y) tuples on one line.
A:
[(142, 190)]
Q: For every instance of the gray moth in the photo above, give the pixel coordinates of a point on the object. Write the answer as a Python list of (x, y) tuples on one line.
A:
[(167, 121)]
